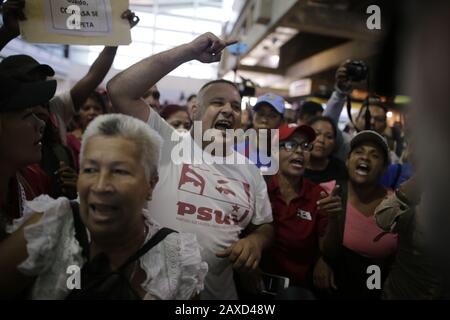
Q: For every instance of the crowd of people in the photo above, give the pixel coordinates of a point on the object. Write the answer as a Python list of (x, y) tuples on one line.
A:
[(88, 178)]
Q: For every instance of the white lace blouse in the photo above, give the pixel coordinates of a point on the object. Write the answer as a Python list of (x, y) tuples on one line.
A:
[(173, 267)]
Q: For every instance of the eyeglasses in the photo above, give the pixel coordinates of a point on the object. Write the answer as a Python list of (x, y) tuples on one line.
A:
[(291, 146)]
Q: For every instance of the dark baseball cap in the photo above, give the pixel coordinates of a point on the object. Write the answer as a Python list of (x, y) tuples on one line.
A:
[(371, 136), (21, 65), (16, 95)]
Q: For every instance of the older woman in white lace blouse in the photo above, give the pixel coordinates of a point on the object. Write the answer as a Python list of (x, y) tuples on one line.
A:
[(118, 171)]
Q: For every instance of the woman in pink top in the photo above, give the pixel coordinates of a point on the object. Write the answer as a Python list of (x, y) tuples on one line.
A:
[(363, 242)]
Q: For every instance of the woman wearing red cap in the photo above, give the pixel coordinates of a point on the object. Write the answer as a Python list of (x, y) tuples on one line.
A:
[(301, 211)]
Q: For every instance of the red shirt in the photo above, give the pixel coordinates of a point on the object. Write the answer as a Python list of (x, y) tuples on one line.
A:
[(34, 182), (297, 227)]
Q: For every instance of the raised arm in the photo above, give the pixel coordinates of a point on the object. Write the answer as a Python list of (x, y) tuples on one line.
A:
[(99, 69), (97, 72), (342, 88), (127, 88)]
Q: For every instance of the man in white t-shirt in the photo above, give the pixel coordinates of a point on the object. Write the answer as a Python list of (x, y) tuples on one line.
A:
[(217, 202)]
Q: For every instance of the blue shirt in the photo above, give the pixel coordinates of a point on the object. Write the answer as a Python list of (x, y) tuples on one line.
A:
[(396, 175)]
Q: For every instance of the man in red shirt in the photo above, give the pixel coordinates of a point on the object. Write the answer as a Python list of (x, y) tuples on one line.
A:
[(301, 211)]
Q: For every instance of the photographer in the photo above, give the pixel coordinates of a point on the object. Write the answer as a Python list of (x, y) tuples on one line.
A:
[(371, 116), (343, 87)]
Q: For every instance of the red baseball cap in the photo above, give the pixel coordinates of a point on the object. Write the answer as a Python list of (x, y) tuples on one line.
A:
[(287, 130)]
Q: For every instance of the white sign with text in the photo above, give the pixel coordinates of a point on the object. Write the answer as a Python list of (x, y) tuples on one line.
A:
[(79, 17)]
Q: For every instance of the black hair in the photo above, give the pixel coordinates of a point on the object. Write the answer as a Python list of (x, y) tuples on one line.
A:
[(325, 119), (98, 97), (309, 108), (170, 109)]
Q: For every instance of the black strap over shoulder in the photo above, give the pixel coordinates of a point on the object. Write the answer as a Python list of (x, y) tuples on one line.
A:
[(82, 237), (344, 197), (98, 281), (80, 229), (157, 238)]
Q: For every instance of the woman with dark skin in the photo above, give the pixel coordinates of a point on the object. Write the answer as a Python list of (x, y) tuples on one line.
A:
[(322, 165), (362, 243), (177, 116), (92, 108)]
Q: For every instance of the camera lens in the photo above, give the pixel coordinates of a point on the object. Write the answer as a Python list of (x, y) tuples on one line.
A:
[(356, 71)]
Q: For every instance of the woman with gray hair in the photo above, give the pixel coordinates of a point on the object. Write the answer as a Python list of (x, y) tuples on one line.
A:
[(113, 230)]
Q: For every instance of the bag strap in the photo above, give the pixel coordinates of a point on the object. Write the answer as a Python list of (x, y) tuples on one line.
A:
[(157, 238), (344, 197), (80, 229), (367, 114), (82, 237)]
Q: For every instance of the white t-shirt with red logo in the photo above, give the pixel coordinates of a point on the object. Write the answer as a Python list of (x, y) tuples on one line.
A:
[(214, 201)]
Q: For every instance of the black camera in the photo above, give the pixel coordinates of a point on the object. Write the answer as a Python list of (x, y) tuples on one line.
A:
[(247, 87), (356, 70)]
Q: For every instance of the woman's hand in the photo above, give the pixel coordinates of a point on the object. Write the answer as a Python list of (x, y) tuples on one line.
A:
[(330, 204)]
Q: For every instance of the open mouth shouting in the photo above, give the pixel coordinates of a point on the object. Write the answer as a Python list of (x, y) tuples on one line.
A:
[(223, 125), (363, 169), (297, 163)]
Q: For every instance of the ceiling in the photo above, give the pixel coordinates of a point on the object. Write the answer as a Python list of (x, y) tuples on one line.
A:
[(308, 40)]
